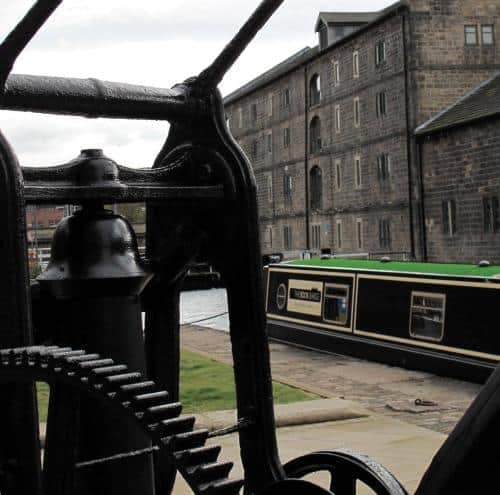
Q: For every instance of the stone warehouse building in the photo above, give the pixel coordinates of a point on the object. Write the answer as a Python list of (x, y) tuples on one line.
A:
[(330, 131), (459, 152)]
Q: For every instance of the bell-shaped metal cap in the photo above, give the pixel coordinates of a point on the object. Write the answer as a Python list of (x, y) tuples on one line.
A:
[(92, 168), (94, 253)]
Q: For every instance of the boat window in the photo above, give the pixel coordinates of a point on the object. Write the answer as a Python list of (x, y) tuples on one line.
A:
[(427, 315), (336, 305)]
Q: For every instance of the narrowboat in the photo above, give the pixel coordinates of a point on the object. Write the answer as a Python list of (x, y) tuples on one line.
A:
[(440, 318)]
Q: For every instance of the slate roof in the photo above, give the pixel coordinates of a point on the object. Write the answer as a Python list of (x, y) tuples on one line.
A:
[(278, 70), (480, 103), (307, 54), (345, 18)]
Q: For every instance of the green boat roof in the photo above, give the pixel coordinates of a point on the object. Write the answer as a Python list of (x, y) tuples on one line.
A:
[(447, 269)]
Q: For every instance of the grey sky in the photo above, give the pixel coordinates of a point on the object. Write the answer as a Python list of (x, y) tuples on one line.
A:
[(157, 44)]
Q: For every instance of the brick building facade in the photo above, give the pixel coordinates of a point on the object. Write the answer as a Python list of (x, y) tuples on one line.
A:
[(330, 131), (44, 217), (41, 221)]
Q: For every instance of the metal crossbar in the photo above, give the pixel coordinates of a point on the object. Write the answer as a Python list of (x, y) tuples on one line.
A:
[(96, 98)]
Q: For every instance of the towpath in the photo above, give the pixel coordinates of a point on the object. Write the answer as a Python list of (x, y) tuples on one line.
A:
[(385, 390)]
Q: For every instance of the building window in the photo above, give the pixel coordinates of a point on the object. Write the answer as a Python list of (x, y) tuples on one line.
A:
[(357, 113), (339, 233), (316, 185), (471, 35), (316, 236), (269, 140), (427, 315), (285, 98), (355, 64), (491, 214), (338, 175), (253, 112), (359, 233), (357, 171), (287, 186), (383, 167), (314, 90), (269, 186), (323, 36), (336, 73), (381, 104), (287, 237), (240, 117), (384, 233), (337, 118), (315, 135), (449, 214), (255, 148), (269, 235), (270, 103), (380, 53), (487, 34), (286, 137)]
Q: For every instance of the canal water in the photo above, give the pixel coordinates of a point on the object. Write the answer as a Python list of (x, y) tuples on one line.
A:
[(207, 308)]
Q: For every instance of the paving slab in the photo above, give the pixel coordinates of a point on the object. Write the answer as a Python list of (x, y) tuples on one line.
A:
[(405, 450), (297, 413)]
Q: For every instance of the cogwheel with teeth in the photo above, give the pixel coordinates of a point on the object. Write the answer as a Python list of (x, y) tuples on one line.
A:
[(139, 399)]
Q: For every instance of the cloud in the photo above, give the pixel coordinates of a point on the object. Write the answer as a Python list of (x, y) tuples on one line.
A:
[(79, 24), (46, 140), (83, 24), (157, 43)]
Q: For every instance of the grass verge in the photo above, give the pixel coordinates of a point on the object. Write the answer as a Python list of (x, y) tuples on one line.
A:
[(206, 385)]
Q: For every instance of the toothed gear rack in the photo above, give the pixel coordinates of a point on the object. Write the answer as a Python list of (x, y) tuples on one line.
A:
[(117, 429), (135, 397)]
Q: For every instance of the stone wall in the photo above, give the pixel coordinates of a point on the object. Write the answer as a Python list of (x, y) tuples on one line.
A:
[(375, 135), (462, 165), (437, 70), (444, 67)]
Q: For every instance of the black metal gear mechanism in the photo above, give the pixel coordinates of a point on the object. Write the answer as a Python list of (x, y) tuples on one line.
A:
[(139, 399), (345, 468), (291, 486)]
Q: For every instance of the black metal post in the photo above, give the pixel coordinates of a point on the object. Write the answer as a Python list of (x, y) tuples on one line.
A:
[(22, 34), (163, 361), (20, 446), (97, 276)]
